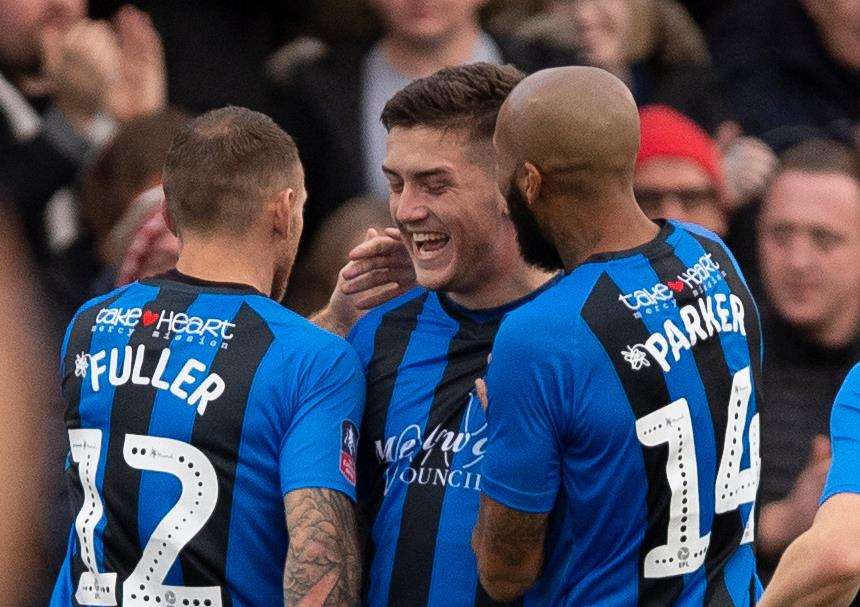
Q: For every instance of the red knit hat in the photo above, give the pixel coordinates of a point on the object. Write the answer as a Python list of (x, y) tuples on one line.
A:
[(667, 132)]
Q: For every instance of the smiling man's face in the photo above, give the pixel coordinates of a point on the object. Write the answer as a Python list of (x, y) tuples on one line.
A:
[(445, 200)]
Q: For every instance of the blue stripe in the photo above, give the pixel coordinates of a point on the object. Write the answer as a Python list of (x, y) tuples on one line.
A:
[(364, 332), (739, 571), (172, 417), (257, 499), (593, 573), (735, 350), (455, 571), (96, 407), (425, 360), (683, 381)]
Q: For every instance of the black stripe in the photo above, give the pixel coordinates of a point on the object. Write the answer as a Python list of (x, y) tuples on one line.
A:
[(130, 414), (218, 434), (422, 509), (751, 318), (616, 328), (726, 529), (389, 347), (80, 340)]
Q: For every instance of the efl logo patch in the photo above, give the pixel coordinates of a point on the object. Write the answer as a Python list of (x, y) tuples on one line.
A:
[(348, 450)]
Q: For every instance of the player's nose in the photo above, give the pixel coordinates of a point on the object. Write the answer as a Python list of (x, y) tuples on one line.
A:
[(410, 208)]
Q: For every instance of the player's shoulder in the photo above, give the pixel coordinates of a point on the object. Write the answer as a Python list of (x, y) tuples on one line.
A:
[(559, 303), (849, 393), (94, 303), (404, 307), (551, 317), (698, 233), (695, 230), (302, 351), (291, 329)]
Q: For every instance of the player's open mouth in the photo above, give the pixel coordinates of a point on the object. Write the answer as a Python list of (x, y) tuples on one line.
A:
[(427, 243)]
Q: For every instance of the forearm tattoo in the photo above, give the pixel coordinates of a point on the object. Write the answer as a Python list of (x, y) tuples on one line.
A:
[(323, 560)]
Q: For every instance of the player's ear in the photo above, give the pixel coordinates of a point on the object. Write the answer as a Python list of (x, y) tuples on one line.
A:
[(282, 211), (529, 181), (168, 220)]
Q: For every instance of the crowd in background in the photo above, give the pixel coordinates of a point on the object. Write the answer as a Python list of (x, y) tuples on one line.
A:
[(750, 113)]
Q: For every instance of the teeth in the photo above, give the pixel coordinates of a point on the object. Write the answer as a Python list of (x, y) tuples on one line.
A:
[(422, 237)]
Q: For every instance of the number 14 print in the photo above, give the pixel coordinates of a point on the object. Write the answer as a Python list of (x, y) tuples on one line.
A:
[(685, 549)]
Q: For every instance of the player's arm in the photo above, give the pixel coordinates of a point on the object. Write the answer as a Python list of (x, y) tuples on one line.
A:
[(822, 566), (379, 270), (508, 545), (323, 560), (317, 470), (520, 472)]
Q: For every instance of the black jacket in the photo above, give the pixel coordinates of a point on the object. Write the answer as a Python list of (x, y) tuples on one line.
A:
[(777, 75), (30, 172)]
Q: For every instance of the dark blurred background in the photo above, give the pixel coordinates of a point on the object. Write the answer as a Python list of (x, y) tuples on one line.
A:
[(750, 127)]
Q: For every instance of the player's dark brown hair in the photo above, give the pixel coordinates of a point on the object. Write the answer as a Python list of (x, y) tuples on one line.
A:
[(821, 156), (465, 97), (223, 166)]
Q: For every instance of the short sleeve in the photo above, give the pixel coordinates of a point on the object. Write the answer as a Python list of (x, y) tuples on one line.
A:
[(320, 446), (844, 475), (521, 465)]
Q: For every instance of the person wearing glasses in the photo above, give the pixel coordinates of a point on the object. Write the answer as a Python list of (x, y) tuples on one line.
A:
[(679, 171)]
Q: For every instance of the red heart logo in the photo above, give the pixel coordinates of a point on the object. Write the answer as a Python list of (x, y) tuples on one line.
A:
[(149, 317), (676, 285)]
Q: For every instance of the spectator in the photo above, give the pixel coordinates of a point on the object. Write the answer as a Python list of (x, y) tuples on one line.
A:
[(111, 208), (657, 50), (809, 250), (154, 249), (216, 50), (129, 165), (653, 46), (63, 80), (678, 170), (332, 105), (789, 64)]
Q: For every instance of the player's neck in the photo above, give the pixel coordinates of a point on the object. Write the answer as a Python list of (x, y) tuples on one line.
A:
[(416, 61), (507, 287), (217, 261), (621, 229)]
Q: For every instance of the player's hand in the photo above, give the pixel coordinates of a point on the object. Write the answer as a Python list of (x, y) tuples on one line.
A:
[(142, 88), (481, 388), (379, 270)]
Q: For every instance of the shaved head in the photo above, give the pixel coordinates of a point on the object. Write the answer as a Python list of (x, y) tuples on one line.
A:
[(566, 142), (570, 118)]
